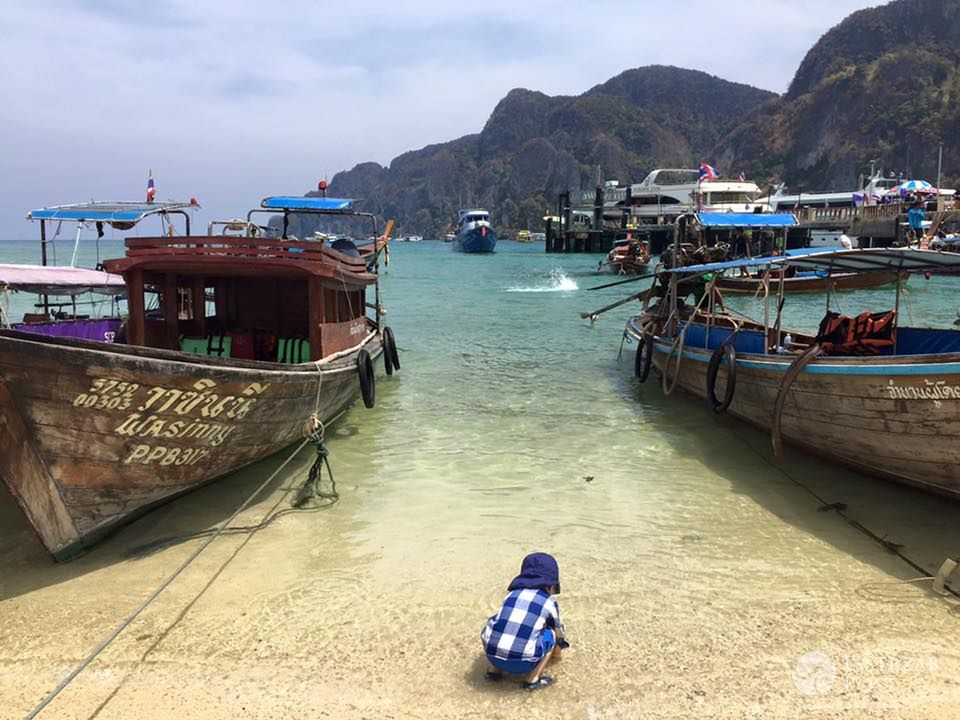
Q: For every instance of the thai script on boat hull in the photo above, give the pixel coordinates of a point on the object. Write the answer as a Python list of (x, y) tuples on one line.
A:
[(198, 416), (933, 391)]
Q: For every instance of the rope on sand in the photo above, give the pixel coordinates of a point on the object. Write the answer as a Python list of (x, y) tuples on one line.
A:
[(313, 431)]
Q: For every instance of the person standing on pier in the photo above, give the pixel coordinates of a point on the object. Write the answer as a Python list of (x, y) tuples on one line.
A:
[(915, 219)]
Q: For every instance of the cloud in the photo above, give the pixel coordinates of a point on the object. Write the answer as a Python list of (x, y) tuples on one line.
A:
[(234, 101)]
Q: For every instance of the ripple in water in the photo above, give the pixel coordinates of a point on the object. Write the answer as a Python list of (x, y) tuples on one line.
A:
[(559, 281)]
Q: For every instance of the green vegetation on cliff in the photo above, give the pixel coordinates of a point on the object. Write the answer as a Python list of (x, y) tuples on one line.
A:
[(882, 85)]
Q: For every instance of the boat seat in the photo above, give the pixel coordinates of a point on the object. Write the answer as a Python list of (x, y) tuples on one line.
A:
[(214, 345), (242, 344), (293, 351)]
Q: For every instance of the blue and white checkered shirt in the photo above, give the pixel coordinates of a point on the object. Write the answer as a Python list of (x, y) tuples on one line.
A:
[(514, 632)]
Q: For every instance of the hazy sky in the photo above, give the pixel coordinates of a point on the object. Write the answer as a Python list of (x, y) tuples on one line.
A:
[(233, 101)]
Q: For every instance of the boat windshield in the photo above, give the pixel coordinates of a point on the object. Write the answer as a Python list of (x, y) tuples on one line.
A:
[(675, 177), (714, 198)]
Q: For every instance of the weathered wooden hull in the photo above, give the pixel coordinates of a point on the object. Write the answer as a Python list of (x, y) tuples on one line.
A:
[(839, 281), (892, 417), (91, 434)]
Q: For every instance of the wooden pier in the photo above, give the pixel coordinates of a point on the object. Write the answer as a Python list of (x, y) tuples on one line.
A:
[(585, 224)]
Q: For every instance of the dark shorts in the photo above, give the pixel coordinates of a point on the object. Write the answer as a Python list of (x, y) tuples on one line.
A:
[(525, 667)]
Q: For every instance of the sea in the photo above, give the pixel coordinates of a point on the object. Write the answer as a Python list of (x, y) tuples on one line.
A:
[(701, 575)]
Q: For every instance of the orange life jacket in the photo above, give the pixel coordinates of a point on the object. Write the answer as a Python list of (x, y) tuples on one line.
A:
[(864, 334)]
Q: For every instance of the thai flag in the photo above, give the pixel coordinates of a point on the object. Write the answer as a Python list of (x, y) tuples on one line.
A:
[(151, 187), (743, 178), (708, 173)]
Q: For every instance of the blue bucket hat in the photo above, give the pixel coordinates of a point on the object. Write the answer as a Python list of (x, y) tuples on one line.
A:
[(538, 572)]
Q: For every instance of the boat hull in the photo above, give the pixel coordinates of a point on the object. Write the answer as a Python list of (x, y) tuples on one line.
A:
[(892, 417), (481, 239), (625, 266), (92, 435), (840, 281)]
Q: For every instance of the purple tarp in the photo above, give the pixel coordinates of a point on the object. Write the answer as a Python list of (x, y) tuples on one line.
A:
[(99, 330)]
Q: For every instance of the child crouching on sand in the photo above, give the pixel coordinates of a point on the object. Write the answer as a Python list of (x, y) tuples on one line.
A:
[(526, 633)]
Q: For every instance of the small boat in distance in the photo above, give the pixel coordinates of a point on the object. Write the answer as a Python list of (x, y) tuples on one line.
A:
[(474, 232), (630, 254), (233, 348), (524, 236)]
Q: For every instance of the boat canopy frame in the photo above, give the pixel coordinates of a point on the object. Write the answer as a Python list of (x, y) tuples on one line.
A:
[(292, 204)]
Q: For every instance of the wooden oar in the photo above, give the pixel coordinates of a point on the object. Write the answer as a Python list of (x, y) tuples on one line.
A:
[(622, 282), (382, 243), (636, 296)]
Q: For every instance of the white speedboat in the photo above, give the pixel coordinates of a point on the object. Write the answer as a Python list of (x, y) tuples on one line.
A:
[(667, 193), (872, 193)]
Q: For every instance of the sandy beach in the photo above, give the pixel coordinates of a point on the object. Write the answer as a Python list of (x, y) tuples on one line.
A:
[(366, 610), (701, 577)]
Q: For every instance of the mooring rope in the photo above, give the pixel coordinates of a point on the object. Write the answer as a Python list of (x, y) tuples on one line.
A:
[(316, 435), (856, 524)]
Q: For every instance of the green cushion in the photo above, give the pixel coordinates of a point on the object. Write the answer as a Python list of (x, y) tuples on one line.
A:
[(293, 351), (215, 345)]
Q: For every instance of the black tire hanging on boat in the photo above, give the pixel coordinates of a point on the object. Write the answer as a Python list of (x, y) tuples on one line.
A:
[(391, 359), (368, 386), (643, 358), (713, 369)]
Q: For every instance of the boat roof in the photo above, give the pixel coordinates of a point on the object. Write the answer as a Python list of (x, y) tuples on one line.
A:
[(306, 204), (47, 280), (746, 220), (107, 211), (861, 260)]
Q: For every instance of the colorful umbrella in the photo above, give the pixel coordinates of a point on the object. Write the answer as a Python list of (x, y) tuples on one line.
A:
[(917, 186)]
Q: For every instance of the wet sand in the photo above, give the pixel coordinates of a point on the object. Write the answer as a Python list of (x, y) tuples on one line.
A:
[(694, 597)]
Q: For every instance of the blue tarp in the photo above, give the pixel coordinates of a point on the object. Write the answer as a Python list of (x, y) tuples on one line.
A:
[(126, 212), (282, 202), (746, 220)]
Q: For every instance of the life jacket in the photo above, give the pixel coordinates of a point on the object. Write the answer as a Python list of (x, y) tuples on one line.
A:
[(865, 334)]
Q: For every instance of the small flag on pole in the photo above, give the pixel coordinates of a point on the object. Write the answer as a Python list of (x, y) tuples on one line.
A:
[(707, 172), (151, 187), (743, 178)]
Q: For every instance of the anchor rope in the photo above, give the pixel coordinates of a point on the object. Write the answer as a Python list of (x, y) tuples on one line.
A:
[(316, 436), (856, 524)]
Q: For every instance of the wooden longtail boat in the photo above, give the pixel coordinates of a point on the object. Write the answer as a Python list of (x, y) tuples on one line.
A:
[(251, 339), (628, 256), (879, 398), (719, 229)]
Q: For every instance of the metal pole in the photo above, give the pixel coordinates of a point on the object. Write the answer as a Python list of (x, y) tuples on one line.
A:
[(43, 259), (939, 164)]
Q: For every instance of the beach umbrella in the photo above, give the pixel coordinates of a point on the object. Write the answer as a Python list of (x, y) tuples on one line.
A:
[(916, 186)]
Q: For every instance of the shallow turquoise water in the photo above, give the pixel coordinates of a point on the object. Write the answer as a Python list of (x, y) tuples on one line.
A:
[(512, 427)]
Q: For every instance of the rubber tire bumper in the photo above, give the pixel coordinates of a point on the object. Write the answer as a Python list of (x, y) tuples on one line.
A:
[(726, 350), (368, 382)]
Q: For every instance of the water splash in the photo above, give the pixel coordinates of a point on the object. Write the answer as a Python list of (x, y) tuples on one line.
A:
[(559, 281)]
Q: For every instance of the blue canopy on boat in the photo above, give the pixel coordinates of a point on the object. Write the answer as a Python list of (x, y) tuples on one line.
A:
[(284, 202), (727, 265), (862, 260), (121, 212), (746, 220)]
